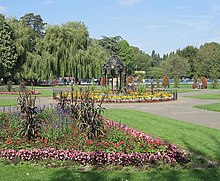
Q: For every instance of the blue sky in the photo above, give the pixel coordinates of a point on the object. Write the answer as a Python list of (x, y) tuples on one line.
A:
[(161, 25)]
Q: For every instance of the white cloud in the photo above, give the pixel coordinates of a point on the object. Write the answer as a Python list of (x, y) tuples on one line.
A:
[(47, 2), (117, 18), (216, 8), (129, 2), (2, 9), (199, 22), (154, 27)]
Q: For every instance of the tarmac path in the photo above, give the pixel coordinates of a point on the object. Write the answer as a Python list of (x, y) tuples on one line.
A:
[(180, 109)]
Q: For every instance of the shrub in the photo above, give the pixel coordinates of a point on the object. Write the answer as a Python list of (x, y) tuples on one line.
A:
[(166, 82), (204, 82)]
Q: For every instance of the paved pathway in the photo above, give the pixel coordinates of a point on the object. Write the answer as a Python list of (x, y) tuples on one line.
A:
[(180, 109)]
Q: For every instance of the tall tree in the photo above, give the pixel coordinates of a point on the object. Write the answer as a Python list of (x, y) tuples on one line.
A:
[(208, 61), (109, 43), (190, 53), (176, 66), (141, 60), (23, 36), (126, 54), (155, 59), (35, 22), (62, 51), (8, 54)]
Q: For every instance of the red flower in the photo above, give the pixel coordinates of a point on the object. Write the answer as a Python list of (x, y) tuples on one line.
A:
[(19, 142), (121, 143), (115, 145), (8, 141), (46, 141)]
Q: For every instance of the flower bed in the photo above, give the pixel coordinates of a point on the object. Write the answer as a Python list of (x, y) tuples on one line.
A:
[(60, 139), (173, 155), (114, 97), (17, 93)]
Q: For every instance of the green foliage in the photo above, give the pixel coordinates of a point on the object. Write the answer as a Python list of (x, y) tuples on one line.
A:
[(176, 67), (24, 38), (8, 54), (156, 60), (32, 51), (109, 43), (35, 22), (208, 63), (190, 53)]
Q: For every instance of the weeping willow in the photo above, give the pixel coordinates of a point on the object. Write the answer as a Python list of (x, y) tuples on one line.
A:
[(66, 50)]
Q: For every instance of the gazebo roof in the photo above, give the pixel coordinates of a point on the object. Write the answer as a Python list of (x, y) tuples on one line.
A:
[(114, 61)]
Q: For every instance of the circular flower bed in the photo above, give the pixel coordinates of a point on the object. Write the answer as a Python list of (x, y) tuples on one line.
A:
[(114, 97)]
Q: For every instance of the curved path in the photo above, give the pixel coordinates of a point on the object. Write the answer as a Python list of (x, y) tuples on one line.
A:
[(180, 109)]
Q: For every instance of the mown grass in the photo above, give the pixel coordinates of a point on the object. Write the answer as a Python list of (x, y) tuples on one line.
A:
[(210, 107), (207, 96), (198, 139), (28, 172), (8, 102), (44, 92)]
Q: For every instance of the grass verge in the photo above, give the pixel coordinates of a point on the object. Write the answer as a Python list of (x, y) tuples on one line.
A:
[(210, 107), (206, 96), (8, 102), (28, 172)]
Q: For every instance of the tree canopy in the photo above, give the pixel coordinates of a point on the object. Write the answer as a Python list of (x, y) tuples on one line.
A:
[(8, 53), (29, 49)]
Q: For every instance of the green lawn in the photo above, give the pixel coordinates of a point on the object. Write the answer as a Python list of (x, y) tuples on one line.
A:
[(207, 96), (210, 107), (29, 172), (43, 93), (8, 102)]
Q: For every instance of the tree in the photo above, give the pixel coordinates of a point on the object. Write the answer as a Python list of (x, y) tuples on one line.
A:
[(23, 36), (190, 53), (35, 22), (175, 67), (126, 54), (208, 62), (8, 54), (155, 59), (109, 43), (61, 52), (140, 62)]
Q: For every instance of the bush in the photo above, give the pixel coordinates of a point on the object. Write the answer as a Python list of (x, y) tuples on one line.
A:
[(166, 82), (204, 82)]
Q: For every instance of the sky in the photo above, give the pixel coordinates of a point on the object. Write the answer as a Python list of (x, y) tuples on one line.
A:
[(160, 25)]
